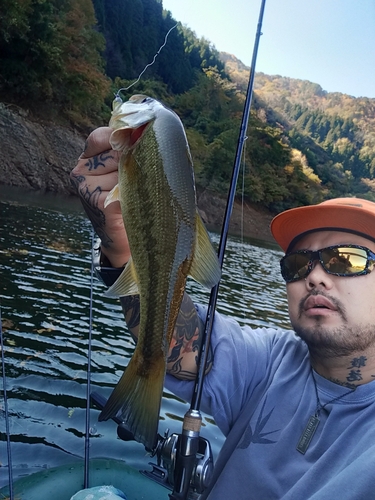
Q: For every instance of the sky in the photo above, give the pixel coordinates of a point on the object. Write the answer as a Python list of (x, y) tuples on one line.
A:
[(329, 42)]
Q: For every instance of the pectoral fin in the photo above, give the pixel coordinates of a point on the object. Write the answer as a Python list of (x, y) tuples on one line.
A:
[(113, 195), (205, 266), (126, 284)]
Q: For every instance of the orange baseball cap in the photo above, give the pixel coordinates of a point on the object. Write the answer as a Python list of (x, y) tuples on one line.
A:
[(354, 215)]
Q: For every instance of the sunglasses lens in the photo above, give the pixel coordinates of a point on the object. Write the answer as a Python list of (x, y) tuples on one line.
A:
[(340, 260), (344, 260), (295, 266)]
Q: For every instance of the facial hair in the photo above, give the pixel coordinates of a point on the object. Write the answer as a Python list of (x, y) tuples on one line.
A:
[(327, 342)]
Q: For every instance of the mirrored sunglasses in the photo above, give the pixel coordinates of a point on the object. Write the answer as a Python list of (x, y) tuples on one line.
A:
[(340, 260)]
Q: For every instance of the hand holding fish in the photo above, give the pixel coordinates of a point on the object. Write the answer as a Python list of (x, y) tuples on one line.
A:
[(95, 174), (156, 192)]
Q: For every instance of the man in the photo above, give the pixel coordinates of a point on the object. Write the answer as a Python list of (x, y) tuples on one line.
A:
[(297, 407)]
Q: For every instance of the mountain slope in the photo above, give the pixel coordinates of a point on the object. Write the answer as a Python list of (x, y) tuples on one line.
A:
[(336, 132)]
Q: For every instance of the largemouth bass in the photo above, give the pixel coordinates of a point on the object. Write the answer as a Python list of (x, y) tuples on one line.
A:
[(168, 242)]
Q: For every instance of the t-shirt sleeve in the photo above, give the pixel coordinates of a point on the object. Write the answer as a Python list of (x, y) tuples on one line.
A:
[(241, 356)]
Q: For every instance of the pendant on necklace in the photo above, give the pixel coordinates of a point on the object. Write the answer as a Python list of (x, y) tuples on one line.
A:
[(307, 434)]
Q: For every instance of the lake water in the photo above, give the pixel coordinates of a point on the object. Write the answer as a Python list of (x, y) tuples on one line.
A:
[(45, 255)]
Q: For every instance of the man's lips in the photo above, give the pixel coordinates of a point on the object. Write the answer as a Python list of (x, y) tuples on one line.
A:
[(318, 304)]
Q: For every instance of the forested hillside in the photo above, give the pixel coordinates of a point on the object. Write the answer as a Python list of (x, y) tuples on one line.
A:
[(134, 30), (63, 60), (334, 131)]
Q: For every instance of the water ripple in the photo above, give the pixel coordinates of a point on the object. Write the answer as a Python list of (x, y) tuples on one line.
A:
[(45, 281)]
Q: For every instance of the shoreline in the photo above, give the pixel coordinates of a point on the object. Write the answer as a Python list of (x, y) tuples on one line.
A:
[(248, 221)]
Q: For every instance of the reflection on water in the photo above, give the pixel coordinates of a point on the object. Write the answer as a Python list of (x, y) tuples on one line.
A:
[(45, 281)]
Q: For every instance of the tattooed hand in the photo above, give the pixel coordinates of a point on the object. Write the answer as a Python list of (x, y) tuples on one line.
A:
[(93, 177)]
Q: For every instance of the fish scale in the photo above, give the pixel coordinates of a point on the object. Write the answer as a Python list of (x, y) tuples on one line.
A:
[(168, 241)]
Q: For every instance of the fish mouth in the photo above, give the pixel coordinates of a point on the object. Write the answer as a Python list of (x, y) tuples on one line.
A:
[(130, 120), (127, 137)]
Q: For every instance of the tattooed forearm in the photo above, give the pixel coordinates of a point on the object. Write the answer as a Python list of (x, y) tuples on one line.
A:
[(186, 336), (186, 340), (182, 361), (177, 371)]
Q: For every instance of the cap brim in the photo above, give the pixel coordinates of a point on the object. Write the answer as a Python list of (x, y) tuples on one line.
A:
[(290, 225)]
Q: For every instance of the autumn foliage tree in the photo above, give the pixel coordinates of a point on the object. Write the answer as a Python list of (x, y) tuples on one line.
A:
[(67, 58), (50, 55)]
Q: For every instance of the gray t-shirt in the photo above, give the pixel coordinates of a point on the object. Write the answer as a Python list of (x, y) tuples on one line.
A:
[(261, 394)]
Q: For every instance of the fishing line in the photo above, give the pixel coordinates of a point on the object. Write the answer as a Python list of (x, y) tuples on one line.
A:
[(242, 226), (243, 190), (88, 388), (6, 412), (149, 64)]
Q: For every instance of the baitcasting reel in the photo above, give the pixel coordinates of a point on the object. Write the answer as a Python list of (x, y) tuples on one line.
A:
[(166, 452), (164, 471)]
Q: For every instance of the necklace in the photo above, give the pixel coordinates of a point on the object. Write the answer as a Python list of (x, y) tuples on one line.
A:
[(313, 422)]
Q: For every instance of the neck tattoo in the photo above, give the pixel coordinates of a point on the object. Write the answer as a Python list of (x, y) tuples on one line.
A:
[(313, 422)]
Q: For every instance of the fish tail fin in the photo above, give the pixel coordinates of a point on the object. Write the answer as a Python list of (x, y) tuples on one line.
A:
[(136, 400)]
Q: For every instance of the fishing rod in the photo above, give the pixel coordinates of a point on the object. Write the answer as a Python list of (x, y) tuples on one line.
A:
[(88, 385), (6, 412), (188, 444), (187, 458)]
